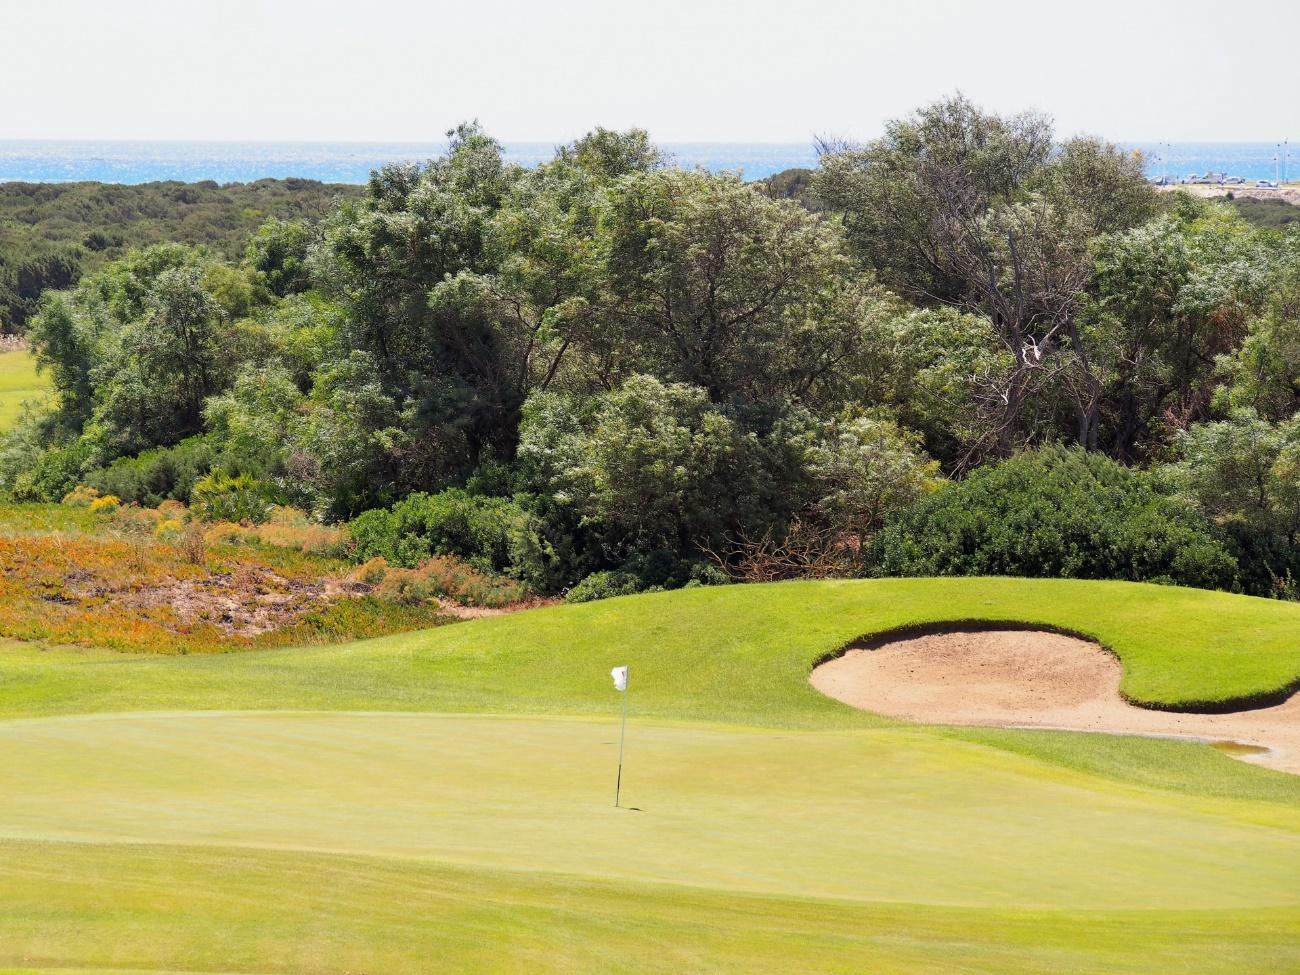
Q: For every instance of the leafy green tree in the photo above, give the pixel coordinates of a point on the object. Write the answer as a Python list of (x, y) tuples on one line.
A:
[(277, 253), (715, 285), (258, 423), (1168, 298), (866, 469), (1263, 372), (956, 206), (380, 256), (608, 154), (1242, 468), (650, 465), (136, 349), (1244, 472), (65, 342), (157, 370)]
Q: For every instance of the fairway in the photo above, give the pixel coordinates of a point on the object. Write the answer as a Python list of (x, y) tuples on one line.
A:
[(19, 383), (444, 801)]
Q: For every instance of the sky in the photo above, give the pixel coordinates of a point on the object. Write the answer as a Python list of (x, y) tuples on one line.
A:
[(687, 70)]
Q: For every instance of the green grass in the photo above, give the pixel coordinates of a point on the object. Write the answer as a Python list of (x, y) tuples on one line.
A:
[(737, 654), (79, 909), (236, 812), (19, 382), (478, 827)]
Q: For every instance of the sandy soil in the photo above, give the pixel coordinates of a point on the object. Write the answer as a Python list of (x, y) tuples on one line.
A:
[(1029, 679)]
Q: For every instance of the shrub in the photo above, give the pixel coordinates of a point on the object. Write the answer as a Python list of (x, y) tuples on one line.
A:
[(105, 502), (287, 527), (80, 496), (1057, 512), (495, 535), (55, 473), (221, 497), (439, 577), (164, 473), (654, 572)]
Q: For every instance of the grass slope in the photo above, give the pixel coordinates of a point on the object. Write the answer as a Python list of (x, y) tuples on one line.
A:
[(738, 654), (19, 382), (776, 831)]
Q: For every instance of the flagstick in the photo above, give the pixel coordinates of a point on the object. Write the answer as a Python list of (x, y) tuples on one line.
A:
[(618, 783)]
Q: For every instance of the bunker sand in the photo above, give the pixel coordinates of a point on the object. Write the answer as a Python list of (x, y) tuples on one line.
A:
[(1033, 679)]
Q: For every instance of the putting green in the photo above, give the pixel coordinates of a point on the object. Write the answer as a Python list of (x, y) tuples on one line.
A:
[(876, 816)]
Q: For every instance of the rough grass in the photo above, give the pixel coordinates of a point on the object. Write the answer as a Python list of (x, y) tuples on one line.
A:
[(19, 382), (145, 580), (133, 593)]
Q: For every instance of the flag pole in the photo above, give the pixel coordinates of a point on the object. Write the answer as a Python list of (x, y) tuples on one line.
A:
[(622, 731)]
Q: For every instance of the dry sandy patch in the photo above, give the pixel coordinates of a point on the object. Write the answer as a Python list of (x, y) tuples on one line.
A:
[(1033, 679)]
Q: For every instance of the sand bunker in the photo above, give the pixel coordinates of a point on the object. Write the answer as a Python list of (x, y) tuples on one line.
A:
[(1032, 679)]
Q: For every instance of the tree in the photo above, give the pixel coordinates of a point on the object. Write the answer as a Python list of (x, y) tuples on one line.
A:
[(1168, 299), (137, 348), (277, 253), (650, 465), (607, 154), (949, 160), (958, 207), (1244, 472), (380, 257), (866, 469), (158, 369), (713, 284), (1263, 372)]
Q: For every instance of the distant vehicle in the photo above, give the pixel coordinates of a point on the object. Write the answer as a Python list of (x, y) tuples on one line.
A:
[(1160, 181), (1234, 180), (1266, 184)]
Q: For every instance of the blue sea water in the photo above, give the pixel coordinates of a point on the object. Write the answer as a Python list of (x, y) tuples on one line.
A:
[(42, 161), (331, 162)]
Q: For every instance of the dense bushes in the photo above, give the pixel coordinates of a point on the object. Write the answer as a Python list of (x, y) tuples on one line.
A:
[(1057, 512), (649, 573), (52, 234), (495, 535), (603, 375), (161, 474)]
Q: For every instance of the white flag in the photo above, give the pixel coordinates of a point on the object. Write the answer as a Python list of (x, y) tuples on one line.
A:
[(620, 678)]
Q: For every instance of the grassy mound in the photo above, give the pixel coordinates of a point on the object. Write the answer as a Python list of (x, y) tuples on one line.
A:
[(738, 654)]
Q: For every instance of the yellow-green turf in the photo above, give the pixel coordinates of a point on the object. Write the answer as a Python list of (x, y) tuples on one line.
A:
[(442, 801), (19, 382)]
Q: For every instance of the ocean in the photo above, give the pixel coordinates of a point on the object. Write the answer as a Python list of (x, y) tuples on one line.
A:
[(40, 161), (330, 162)]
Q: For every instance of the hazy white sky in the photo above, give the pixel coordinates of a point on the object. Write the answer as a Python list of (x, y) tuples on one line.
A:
[(688, 70)]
